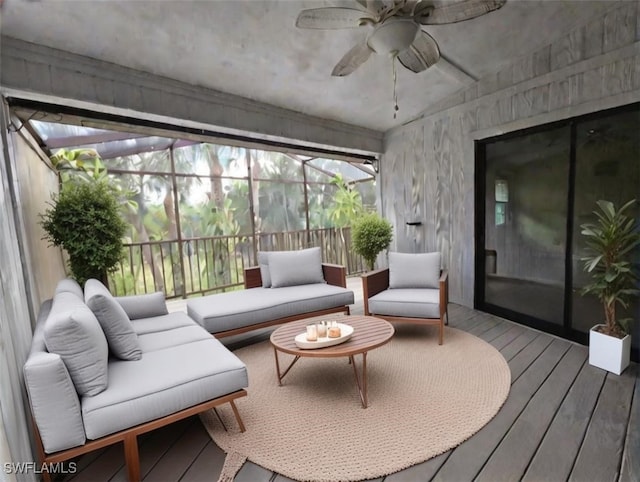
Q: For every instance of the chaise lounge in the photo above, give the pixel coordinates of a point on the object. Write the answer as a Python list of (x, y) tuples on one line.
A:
[(104, 370), (287, 286)]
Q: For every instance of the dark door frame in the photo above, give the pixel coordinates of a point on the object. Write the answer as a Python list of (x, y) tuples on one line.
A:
[(565, 331)]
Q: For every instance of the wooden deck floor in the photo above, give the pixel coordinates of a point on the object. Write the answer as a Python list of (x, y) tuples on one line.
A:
[(563, 420)]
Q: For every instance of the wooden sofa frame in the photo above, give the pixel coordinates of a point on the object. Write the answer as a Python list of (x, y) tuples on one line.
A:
[(129, 436), (377, 281), (334, 274)]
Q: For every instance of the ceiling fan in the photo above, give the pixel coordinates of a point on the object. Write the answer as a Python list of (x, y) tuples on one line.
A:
[(394, 28)]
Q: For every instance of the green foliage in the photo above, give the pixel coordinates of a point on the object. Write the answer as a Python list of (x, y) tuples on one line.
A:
[(370, 236), (347, 203), (84, 164), (610, 242), (84, 219)]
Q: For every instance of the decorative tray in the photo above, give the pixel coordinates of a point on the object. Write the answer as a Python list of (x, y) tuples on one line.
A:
[(345, 330)]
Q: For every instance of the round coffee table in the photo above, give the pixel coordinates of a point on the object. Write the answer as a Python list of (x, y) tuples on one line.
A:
[(369, 333)]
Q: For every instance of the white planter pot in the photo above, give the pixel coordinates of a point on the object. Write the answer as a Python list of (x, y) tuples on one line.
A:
[(608, 352)]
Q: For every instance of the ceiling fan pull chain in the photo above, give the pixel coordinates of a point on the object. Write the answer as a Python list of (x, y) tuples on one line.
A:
[(395, 78)]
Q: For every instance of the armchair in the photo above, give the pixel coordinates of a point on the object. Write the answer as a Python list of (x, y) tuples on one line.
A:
[(413, 289)]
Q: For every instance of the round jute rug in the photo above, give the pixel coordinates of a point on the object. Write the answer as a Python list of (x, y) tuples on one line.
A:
[(424, 399)]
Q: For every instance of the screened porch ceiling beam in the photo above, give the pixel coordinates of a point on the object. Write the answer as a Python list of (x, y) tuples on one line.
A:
[(74, 141), (359, 165), (27, 110)]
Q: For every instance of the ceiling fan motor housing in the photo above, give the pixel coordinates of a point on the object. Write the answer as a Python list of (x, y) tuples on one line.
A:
[(393, 35)]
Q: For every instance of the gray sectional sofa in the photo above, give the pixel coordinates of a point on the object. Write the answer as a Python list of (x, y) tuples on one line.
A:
[(286, 286), (103, 370)]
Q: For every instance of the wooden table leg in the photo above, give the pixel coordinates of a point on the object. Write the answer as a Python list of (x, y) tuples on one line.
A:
[(282, 375), (361, 381)]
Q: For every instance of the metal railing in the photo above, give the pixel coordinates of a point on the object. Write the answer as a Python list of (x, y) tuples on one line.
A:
[(191, 266)]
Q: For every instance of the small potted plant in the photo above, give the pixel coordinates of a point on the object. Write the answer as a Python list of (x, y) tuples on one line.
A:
[(610, 244), (370, 236)]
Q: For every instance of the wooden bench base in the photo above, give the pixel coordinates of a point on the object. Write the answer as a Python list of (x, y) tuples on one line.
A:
[(129, 436)]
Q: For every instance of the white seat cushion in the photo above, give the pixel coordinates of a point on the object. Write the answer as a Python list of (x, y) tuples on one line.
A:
[(236, 309), (162, 382), (409, 303)]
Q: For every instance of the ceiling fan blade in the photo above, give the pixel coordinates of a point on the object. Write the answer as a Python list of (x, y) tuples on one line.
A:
[(428, 14), (353, 59), (330, 18), (380, 8), (421, 54)]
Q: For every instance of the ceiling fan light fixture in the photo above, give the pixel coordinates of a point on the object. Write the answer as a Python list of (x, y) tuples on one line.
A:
[(393, 36)]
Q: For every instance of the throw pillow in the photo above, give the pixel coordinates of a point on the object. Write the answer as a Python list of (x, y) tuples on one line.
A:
[(69, 285), (122, 339), (292, 268), (414, 270), (143, 306), (72, 331)]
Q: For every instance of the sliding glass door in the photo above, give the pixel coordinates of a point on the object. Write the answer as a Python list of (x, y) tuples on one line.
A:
[(534, 189), (525, 223), (607, 161)]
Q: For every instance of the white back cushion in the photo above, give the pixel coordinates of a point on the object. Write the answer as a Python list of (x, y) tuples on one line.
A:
[(414, 270), (292, 268)]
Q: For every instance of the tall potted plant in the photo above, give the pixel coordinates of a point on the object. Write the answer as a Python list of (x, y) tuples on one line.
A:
[(84, 219), (370, 236), (610, 243)]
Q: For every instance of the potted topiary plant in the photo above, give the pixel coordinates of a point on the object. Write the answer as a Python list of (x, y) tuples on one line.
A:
[(610, 243), (370, 236), (84, 219)]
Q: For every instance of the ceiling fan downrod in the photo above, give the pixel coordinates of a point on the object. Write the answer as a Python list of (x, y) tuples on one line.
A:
[(394, 76)]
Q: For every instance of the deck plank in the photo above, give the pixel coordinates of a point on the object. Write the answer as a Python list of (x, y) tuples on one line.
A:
[(467, 459), (601, 452), (556, 454), (497, 331), (519, 363), (484, 324), (85, 460), (424, 471), (518, 344), (183, 453), (511, 458), (103, 467), (152, 447), (207, 465), (464, 320), (282, 478), (251, 472), (507, 337), (630, 471)]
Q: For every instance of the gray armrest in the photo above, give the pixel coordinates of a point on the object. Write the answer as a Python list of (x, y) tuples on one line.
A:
[(54, 402), (143, 306)]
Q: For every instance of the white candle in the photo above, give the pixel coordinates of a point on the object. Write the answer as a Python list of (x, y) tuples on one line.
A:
[(322, 330), (312, 333)]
